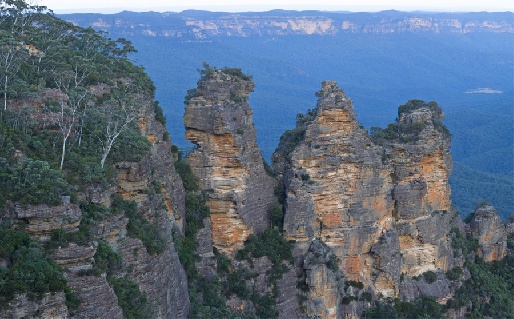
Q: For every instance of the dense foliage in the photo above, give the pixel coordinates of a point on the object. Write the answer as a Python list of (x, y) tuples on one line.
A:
[(31, 182), (29, 270), (131, 300), (490, 288), (69, 100), (409, 132)]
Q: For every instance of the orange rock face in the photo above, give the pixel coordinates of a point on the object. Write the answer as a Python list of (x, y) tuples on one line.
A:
[(227, 160), (382, 207), (338, 190)]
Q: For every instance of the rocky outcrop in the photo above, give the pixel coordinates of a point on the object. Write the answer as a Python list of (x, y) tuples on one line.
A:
[(288, 300), (40, 220), (157, 189), (227, 161), (322, 282), (491, 233), (380, 203), (51, 306), (421, 165), (97, 297), (412, 289), (337, 188)]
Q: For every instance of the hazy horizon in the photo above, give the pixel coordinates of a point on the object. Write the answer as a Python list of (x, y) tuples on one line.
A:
[(97, 6)]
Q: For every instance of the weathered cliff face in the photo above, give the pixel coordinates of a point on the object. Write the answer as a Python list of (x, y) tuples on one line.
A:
[(40, 220), (159, 275), (323, 282), (381, 203), (227, 160), (421, 165), (491, 233), (338, 190), (51, 306), (159, 194)]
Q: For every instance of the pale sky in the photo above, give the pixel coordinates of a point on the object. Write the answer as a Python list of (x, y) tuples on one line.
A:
[(112, 6)]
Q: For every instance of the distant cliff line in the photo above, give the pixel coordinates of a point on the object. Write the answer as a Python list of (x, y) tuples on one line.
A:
[(203, 25)]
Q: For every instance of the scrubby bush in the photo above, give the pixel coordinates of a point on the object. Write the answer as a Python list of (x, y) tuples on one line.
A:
[(29, 271), (131, 300), (139, 227)]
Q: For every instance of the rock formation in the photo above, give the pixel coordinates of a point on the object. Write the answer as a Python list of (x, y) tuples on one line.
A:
[(227, 161), (380, 203), (337, 188), (491, 233), (421, 165)]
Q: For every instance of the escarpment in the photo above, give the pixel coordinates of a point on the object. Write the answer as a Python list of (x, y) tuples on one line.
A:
[(227, 160), (124, 225)]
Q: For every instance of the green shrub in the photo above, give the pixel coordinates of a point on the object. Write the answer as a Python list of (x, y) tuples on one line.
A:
[(186, 174), (191, 93), (269, 171), (159, 113), (131, 300), (72, 300), (140, 227), (30, 270), (106, 259), (131, 146), (430, 276), (236, 72), (510, 242), (366, 296), (276, 216), (454, 273), (222, 262), (268, 243), (32, 182), (196, 211), (356, 284)]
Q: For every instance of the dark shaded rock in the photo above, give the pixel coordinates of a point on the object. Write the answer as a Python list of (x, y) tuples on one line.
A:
[(52, 305), (491, 233), (412, 289)]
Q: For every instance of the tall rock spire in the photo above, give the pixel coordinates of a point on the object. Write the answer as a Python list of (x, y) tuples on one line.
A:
[(227, 160)]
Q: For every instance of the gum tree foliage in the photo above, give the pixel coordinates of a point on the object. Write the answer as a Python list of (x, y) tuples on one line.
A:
[(16, 26), (39, 52)]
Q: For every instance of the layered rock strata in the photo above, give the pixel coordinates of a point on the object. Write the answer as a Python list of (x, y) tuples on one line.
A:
[(380, 203), (159, 194), (421, 165), (227, 161), (338, 190)]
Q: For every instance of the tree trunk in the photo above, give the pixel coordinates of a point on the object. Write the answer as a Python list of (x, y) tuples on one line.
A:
[(5, 93), (63, 150)]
